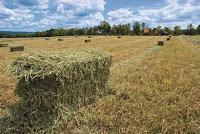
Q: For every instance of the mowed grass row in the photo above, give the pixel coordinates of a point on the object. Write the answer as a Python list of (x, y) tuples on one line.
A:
[(159, 93), (121, 49)]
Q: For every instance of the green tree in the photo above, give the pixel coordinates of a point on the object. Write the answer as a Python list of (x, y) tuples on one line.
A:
[(198, 30), (190, 30), (168, 30), (177, 30), (90, 31), (136, 28), (104, 27)]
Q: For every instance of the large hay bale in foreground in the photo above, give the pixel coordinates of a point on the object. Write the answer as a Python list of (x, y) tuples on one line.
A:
[(160, 43), (16, 48), (86, 41), (60, 39), (3, 45), (52, 83)]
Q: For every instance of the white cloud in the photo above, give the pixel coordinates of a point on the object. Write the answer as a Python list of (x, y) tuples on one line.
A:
[(85, 4), (4, 10), (60, 8), (37, 4)]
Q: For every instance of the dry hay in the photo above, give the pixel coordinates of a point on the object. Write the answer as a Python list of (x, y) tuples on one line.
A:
[(193, 39), (51, 85), (16, 48), (160, 43), (3, 45)]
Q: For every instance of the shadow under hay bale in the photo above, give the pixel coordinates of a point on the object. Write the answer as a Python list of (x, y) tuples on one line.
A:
[(51, 84), (60, 39), (47, 38), (16, 48), (87, 41), (160, 43), (168, 39), (3, 45)]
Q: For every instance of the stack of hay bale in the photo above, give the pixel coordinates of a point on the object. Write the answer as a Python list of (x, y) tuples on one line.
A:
[(51, 83)]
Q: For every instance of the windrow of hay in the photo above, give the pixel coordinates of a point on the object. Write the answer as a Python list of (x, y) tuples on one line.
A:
[(195, 40), (16, 48), (51, 84), (3, 45)]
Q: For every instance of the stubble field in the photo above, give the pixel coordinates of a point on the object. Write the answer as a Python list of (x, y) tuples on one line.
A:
[(151, 88)]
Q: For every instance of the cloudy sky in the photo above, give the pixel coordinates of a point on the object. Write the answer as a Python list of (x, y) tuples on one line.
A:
[(39, 15)]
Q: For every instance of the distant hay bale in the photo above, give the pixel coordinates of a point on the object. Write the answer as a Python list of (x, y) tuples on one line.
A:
[(160, 43), (52, 84), (119, 36), (16, 48), (47, 38), (89, 36), (60, 39), (3, 45), (76, 36), (168, 39), (88, 40)]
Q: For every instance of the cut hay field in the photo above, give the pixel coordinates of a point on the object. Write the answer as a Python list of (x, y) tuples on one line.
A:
[(151, 89)]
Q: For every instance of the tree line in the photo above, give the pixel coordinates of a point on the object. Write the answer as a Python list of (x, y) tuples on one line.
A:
[(104, 28)]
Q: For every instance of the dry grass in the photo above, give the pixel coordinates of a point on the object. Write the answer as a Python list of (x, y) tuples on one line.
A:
[(151, 89)]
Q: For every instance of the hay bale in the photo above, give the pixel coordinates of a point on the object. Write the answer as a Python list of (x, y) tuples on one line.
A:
[(88, 40), (52, 83), (89, 36), (160, 43), (168, 39), (3, 45), (119, 36), (47, 38), (60, 39), (76, 36), (16, 48)]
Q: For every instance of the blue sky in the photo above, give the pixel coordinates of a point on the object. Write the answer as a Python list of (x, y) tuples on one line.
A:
[(39, 15)]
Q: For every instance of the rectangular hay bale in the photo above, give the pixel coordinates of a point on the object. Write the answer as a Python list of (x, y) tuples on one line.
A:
[(168, 39), (160, 43), (88, 40), (3, 45), (60, 39), (16, 48), (54, 82), (47, 38)]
